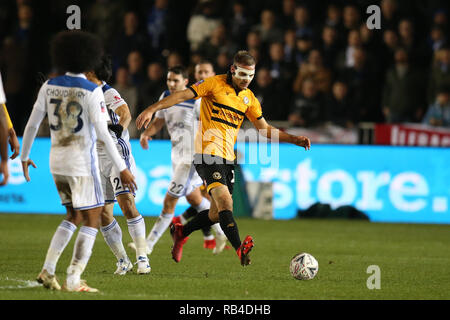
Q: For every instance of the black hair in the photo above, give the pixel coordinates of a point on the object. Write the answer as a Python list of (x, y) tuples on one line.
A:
[(205, 61), (104, 70), (76, 51), (179, 70)]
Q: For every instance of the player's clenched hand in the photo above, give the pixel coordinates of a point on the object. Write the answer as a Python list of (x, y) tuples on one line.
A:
[(144, 141), (302, 141), (143, 120), (128, 180), (25, 165)]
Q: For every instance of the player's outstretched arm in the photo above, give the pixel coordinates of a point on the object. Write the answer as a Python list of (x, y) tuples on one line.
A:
[(154, 127), (143, 120), (275, 134)]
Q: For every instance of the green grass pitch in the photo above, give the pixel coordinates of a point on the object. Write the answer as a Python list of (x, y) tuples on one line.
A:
[(413, 259)]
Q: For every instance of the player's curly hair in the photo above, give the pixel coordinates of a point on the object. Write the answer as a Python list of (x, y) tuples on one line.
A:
[(104, 70), (76, 51)]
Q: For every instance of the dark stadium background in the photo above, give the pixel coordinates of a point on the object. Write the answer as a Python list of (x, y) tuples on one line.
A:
[(145, 37)]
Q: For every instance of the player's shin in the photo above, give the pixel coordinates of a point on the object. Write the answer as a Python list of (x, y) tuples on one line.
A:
[(136, 228), (59, 242), (113, 237), (229, 227), (201, 220), (81, 254), (160, 226)]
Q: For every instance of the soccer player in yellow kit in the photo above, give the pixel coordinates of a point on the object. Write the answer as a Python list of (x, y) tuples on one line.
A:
[(226, 101)]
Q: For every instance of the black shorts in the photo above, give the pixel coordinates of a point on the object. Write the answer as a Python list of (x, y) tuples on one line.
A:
[(215, 171)]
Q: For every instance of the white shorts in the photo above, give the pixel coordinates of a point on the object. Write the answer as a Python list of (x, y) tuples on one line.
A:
[(110, 178), (80, 192), (185, 179)]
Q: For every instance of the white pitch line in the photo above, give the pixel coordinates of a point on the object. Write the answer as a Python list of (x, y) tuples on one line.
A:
[(23, 284)]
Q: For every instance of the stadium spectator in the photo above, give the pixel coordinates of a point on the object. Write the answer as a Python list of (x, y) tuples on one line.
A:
[(238, 23), (369, 39), (314, 69), (102, 19), (270, 93), (20, 59), (267, 28), (403, 95), (304, 44), (174, 58), (309, 106), (440, 18), (152, 87), (346, 57), (280, 69), (287, 20), (202, 23), (302, 22), (438, 113), (340, 109), (389, 45), (437, 38), (440, 72), (389, 14), (135, 63), (351, 18), (363, 85), (334, 16), (129, 39), (129, 93), (218, 42), (329, 45), (223, 62), (289, 46), (156, 25), (416, 49)]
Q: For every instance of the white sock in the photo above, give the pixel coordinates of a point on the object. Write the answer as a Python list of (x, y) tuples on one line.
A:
[(136, 228), (217, 229), (60, 239), (161, 224), (204, 205), (81, 254), (113, 237)]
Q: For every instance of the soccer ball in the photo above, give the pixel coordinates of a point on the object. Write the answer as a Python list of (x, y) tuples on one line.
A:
[(304, 266)]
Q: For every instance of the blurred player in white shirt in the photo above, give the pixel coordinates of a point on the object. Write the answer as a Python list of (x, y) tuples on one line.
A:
[(119, 119), (77, 117)]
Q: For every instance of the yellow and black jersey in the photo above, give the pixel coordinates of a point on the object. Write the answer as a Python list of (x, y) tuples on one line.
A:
[(222, 112)]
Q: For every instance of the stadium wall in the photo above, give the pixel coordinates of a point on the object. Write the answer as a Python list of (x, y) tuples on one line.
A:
[(389, 184)]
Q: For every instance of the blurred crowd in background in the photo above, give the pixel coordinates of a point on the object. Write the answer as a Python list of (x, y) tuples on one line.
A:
[(318, 62)]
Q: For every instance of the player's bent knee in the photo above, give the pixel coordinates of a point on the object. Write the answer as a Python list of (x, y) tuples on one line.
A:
[(74, 216)]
